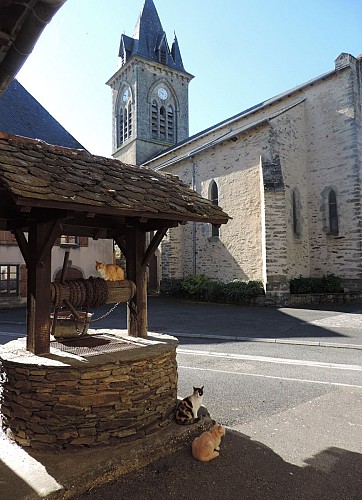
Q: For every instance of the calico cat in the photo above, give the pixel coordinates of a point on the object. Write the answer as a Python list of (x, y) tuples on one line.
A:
[(188, 408), (206, 447), (110, 272)]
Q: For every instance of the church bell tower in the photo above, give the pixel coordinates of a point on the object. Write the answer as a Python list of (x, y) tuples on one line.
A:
[(149, 92)]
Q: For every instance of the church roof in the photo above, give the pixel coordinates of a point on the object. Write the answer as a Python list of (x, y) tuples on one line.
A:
[(36, 175), (149, 39), (21, 114)]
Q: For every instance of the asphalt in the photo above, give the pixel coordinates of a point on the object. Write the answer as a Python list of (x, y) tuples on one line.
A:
[(308, 452), (327, 325)]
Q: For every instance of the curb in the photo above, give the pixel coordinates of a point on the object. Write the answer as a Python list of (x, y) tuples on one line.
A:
[(266, 340)]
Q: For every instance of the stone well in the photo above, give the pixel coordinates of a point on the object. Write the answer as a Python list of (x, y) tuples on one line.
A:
[(101, 388)]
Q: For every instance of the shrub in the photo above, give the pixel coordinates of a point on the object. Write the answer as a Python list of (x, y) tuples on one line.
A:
[(202, 288), (326, 284), (236, 292), (199, 287)]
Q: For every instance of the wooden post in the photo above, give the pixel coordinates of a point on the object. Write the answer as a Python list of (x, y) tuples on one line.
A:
[(136, 272), (40, 242)]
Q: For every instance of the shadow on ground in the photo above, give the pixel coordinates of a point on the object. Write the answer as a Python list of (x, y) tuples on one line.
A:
[(245, 470)]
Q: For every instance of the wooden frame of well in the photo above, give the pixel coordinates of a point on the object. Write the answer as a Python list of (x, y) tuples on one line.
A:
[(109, 385)]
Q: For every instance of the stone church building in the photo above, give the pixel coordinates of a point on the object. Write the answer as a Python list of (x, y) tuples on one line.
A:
[(287, 170)]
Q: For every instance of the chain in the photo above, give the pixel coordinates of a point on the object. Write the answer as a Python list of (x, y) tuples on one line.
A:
[(106, 314)]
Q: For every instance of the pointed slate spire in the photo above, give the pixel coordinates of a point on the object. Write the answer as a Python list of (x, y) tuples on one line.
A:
[(149, 40), (176, 54)]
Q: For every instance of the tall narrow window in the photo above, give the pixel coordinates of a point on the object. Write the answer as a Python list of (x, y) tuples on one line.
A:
[(124, 123), (170, 123), (296, 213), (332, 213), (214, 198), (129, 120), (120, 128), (162, 123), (154, 119)]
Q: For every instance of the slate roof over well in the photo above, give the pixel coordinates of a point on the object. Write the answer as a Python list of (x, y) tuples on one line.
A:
[(37, 174), (21, 114)]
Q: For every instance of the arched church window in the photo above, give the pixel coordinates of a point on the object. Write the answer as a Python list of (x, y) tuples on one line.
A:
[(170, 123), (332, 213), (214, 198), (124, 118), (163, 117)]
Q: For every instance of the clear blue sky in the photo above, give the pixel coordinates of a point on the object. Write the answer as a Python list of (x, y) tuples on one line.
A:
[(241, 52)]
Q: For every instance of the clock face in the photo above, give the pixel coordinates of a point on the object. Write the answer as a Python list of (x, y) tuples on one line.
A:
[(162, 93), (125, 95)]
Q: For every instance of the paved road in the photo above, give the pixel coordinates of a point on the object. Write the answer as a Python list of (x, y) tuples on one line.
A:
[(287, 383), (325, 325)]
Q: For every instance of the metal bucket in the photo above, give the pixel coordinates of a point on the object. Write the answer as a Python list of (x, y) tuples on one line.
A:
[(68, 326)]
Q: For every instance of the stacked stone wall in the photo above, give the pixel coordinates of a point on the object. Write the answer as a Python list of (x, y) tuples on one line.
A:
[(59, 407)]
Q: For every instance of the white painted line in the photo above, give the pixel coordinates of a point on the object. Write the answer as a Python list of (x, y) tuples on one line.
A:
[(305, 381), (266, 359)]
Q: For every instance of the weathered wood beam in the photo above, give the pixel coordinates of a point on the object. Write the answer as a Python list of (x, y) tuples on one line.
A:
[(137, 306), (41, 238), (152, 247), (23, 244)]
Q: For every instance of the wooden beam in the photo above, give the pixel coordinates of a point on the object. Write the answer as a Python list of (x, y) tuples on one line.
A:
[(152, 247), (53, 232), (137, 306), (40, 241), (23, 244)]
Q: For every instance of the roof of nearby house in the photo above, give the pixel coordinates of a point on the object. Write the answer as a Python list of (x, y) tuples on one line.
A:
[(35, 175), (21, 24), (21, 114)]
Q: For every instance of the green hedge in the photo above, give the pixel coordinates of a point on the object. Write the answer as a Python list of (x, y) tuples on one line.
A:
[(326, 284), (202, 288)]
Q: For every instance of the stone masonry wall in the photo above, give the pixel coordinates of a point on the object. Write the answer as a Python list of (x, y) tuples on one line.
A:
[(334, 162), (59, 407), (237, 252), (315, 130)]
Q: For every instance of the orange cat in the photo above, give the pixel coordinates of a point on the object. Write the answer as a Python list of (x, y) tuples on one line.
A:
[(206, 447), (110, 272)]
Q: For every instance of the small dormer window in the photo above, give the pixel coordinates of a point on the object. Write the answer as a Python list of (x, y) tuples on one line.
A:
[(163, 56)]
